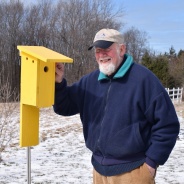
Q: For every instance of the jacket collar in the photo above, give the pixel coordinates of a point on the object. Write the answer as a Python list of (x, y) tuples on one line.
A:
[(122, 71)]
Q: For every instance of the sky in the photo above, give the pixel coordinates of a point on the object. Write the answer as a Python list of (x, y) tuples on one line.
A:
[(162, 20)]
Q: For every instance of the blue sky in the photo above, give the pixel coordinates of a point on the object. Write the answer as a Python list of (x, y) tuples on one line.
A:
[(163, 20)]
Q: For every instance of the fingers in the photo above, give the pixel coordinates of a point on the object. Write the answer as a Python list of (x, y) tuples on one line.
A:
[(59, 65), (59, 72)]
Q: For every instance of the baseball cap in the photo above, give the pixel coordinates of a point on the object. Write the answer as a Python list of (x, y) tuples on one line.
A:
[(106, 37)]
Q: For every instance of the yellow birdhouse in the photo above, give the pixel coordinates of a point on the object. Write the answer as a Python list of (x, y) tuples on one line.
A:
[(38, 74), (37, 87)]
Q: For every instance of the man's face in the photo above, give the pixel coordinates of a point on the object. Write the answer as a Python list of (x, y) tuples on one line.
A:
[(109, 59)]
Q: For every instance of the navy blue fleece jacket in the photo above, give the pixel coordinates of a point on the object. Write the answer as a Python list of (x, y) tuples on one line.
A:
[(127, 120)]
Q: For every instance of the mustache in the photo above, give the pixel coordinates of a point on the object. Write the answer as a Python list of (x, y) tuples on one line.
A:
[(101, 59)]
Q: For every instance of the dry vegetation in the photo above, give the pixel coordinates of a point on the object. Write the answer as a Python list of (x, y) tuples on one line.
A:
[(180, 109), (9, 125)]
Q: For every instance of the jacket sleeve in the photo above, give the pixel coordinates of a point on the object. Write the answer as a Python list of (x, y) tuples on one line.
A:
[(165, 128), (67, 99)]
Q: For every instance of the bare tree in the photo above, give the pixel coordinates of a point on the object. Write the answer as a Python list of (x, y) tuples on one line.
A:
[(10, 32), (8, 123), (39, 24), (136, 43), (176, 66), (67, 27), (78, 22)]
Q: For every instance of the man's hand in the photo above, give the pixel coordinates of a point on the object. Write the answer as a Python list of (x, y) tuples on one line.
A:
[(151, 170), (59, 72)]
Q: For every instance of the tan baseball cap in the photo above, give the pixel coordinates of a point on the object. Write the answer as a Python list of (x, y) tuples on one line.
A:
[(106, 37)]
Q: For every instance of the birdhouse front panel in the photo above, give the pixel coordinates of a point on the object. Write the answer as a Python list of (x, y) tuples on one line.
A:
[(45, 86)]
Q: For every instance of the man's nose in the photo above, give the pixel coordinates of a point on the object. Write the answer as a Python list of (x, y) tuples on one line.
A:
[(103, 53)]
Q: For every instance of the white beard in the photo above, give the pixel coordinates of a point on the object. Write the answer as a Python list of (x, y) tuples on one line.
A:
[(107, 70)]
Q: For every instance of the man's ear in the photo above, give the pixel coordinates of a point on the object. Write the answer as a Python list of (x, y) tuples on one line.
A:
[(122, 50)]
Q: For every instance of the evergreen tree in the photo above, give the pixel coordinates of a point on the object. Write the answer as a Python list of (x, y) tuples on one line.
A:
[(159, 66), (172, 52), (181, 54)]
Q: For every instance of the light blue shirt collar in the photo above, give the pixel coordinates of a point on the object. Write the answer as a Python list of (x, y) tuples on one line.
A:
[(122, 71)]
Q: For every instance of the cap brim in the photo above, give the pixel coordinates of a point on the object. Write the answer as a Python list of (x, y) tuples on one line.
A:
[(101, 44)]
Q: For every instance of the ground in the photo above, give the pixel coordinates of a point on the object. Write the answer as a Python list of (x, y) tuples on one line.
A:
[(62, 158), (180, 108)]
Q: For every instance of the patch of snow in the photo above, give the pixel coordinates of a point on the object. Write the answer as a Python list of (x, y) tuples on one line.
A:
[(61, 156)]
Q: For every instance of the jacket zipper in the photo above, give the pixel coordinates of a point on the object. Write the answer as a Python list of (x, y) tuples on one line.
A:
[(102, 122)]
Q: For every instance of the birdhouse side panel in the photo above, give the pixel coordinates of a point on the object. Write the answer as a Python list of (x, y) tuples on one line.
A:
[(29, 80)]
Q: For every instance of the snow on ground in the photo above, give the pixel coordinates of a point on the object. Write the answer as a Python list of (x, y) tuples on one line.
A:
[(61, 156)]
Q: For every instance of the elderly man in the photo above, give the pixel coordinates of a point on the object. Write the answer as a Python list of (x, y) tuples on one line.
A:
[(129, 122)]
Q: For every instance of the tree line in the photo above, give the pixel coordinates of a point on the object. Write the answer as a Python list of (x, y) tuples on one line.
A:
[(68, 27), (168, 67)]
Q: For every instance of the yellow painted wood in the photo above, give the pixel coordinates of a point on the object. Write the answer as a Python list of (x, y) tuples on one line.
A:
[(29, 80), (37, 88), (38, 74), (44, 54), (37, 82), (29, 125), (46, 84)]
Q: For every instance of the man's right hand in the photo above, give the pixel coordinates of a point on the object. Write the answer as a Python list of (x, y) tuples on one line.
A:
[(59, 72)]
